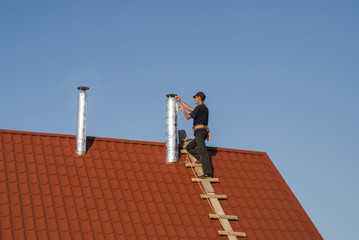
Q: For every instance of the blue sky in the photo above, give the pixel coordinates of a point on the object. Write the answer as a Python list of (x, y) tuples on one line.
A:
[(280, 77)]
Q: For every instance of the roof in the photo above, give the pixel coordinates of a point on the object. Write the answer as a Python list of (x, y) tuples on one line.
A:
[(124, 189)]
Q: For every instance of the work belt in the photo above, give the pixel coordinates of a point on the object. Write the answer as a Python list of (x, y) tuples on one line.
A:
[(205, 127)]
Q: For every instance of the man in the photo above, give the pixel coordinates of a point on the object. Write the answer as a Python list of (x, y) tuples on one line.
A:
[(201, 132)]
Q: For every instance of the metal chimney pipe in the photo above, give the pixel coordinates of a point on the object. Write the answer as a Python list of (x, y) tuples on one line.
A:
[(171, 127), (81, 121)]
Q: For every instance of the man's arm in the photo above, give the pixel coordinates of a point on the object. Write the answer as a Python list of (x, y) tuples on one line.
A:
[(186, 115), (189, 108)]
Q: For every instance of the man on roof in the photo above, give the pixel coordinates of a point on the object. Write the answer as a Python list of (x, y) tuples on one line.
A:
[(201, 132)]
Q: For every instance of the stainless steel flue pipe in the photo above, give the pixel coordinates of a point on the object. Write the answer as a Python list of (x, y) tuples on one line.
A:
[(171, 129), (81, 121)]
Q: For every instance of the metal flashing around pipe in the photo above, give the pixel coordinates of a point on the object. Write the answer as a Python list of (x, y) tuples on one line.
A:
[(171, 129), (81, 121)]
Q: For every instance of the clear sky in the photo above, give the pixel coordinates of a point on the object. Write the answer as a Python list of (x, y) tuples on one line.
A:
[(280, 77)]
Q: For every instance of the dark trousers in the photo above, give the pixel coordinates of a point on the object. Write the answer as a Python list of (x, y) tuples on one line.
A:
[(201, 152)]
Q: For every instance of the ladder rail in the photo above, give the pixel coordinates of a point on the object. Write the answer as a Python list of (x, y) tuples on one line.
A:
[(214, 202)]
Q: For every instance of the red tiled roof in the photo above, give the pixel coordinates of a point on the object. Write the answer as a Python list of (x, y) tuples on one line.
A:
[(124, 189)]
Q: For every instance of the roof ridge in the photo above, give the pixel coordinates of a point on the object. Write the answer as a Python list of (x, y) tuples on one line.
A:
[(211, 148), (74, 136)]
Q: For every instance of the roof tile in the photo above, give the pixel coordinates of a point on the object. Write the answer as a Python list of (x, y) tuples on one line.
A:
[(75, 234), (29, 234), (129, 229), (42, 234), (19, 234), (108, 230), (119, 230), (85, 227)]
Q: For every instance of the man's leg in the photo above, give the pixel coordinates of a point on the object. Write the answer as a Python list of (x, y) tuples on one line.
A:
[(191, 148), (202, 150)]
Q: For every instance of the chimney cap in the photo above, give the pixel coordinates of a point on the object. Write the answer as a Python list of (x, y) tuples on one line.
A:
[(83, 88), (171, 95)]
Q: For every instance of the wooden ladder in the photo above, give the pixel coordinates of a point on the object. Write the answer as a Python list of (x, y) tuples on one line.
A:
[(214, 200)]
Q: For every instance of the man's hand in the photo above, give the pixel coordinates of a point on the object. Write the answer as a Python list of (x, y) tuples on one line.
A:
[(181, 108), (186, 106)]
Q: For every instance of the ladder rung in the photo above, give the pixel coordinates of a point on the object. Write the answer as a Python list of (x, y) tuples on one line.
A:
[(229, 217), (227, 233), (219, 196), (205, 180), (193, 164), (184, 151)]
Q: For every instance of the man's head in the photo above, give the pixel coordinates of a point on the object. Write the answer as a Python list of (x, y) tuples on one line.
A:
[(199, 98)]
